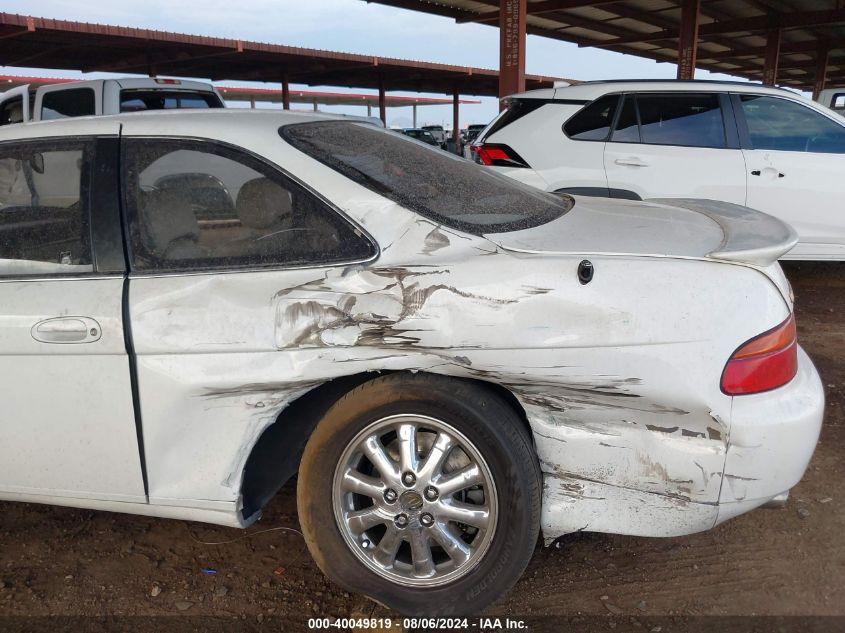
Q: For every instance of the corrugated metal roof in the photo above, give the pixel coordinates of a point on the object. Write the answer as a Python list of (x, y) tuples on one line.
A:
[(732, 33)]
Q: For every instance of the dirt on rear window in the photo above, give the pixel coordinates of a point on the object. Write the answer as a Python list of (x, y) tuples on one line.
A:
[(436, 184)]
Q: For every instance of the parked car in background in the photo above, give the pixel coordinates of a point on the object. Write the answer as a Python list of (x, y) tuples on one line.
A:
[(766, 148), (421, 135), (104, 96), (437, 132), (197, 305), (470, 134)]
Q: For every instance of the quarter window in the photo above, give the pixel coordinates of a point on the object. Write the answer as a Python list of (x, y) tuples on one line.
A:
[(781, 124), (43, 209), (196, 205), (593, 122), (60, 104)]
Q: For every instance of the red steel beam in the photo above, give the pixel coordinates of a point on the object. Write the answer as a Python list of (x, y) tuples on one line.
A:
[(285, 93), (511, 48), (688, 40), (382, 104), (456, 133), (770, 63), (821, 71)]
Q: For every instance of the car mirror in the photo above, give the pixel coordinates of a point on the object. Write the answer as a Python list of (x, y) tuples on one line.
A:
[(36, 162)]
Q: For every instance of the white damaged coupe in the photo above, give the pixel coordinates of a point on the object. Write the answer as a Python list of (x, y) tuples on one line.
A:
[(198, 305)]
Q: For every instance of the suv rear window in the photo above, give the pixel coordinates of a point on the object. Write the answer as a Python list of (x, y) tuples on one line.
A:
[(437, 185), (517, 108), (140, 100)]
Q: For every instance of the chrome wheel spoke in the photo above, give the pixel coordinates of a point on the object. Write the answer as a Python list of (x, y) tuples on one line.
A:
[(401, 515), (457, 550), (360, 521), (476, 516), (436, 457), (363, 484), (375, 452), (385, 553), (421, 554), (407, 434), (462, 479)]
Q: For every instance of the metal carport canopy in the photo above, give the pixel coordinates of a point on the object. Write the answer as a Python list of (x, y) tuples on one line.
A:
[(798, 43), (34, 42)]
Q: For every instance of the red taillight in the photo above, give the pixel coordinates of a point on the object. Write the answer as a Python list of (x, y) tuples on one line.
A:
[(497, 155), (169, 82), (765, 362)]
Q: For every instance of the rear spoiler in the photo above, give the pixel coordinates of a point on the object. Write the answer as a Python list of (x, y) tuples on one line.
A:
[(751, 236)]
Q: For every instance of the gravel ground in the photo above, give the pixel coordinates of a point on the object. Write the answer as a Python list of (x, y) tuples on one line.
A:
[(60, 561)]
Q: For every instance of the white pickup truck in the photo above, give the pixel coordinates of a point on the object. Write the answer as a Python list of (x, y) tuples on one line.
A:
[(103, 96), (833, 98)]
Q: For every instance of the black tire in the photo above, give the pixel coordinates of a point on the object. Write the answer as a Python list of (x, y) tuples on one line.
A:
[(485, 419)]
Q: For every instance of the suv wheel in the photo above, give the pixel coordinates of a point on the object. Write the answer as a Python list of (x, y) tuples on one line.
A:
[(422, 492)]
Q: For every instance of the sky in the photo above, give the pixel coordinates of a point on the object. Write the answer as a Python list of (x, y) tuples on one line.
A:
[(350, 26)]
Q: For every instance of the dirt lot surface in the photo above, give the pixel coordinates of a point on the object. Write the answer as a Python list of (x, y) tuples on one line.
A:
[(59, 561)]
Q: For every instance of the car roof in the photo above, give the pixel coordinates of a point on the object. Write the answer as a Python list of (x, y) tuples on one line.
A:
[(199, 122), (589, 90)]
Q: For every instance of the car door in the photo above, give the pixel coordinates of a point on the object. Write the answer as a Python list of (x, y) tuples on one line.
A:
[(67, 427), (795, 160), (676, 145), (220, 241)]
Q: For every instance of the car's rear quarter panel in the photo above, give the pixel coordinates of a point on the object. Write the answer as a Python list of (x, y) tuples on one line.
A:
[(619, 378)]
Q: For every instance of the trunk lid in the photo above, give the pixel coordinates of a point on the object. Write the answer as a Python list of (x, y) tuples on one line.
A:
[(681, 227)]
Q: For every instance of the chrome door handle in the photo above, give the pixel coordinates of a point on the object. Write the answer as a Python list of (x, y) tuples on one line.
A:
[(633, 161), (67, 330)]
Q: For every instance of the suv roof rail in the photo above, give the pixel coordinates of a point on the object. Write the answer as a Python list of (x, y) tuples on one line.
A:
[(679, 81)]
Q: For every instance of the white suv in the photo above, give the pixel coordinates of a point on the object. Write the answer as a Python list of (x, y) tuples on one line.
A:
[(766, 148)]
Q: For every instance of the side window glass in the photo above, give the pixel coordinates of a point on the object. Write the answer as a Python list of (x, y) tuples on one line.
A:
[(11, 111), (43, 210), (593, 122), (690, 120), (196, 205), (780, 124), (60, 104), (627, 127)]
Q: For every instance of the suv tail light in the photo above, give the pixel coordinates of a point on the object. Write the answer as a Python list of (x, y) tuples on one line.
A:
[(495, 154), (766, 362)]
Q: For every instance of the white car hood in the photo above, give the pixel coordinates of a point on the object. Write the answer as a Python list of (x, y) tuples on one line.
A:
[(661, 228)]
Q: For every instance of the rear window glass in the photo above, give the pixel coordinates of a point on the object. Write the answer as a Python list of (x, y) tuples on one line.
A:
[(437, 185), (517, 108), (140, 100), (60, 104)]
